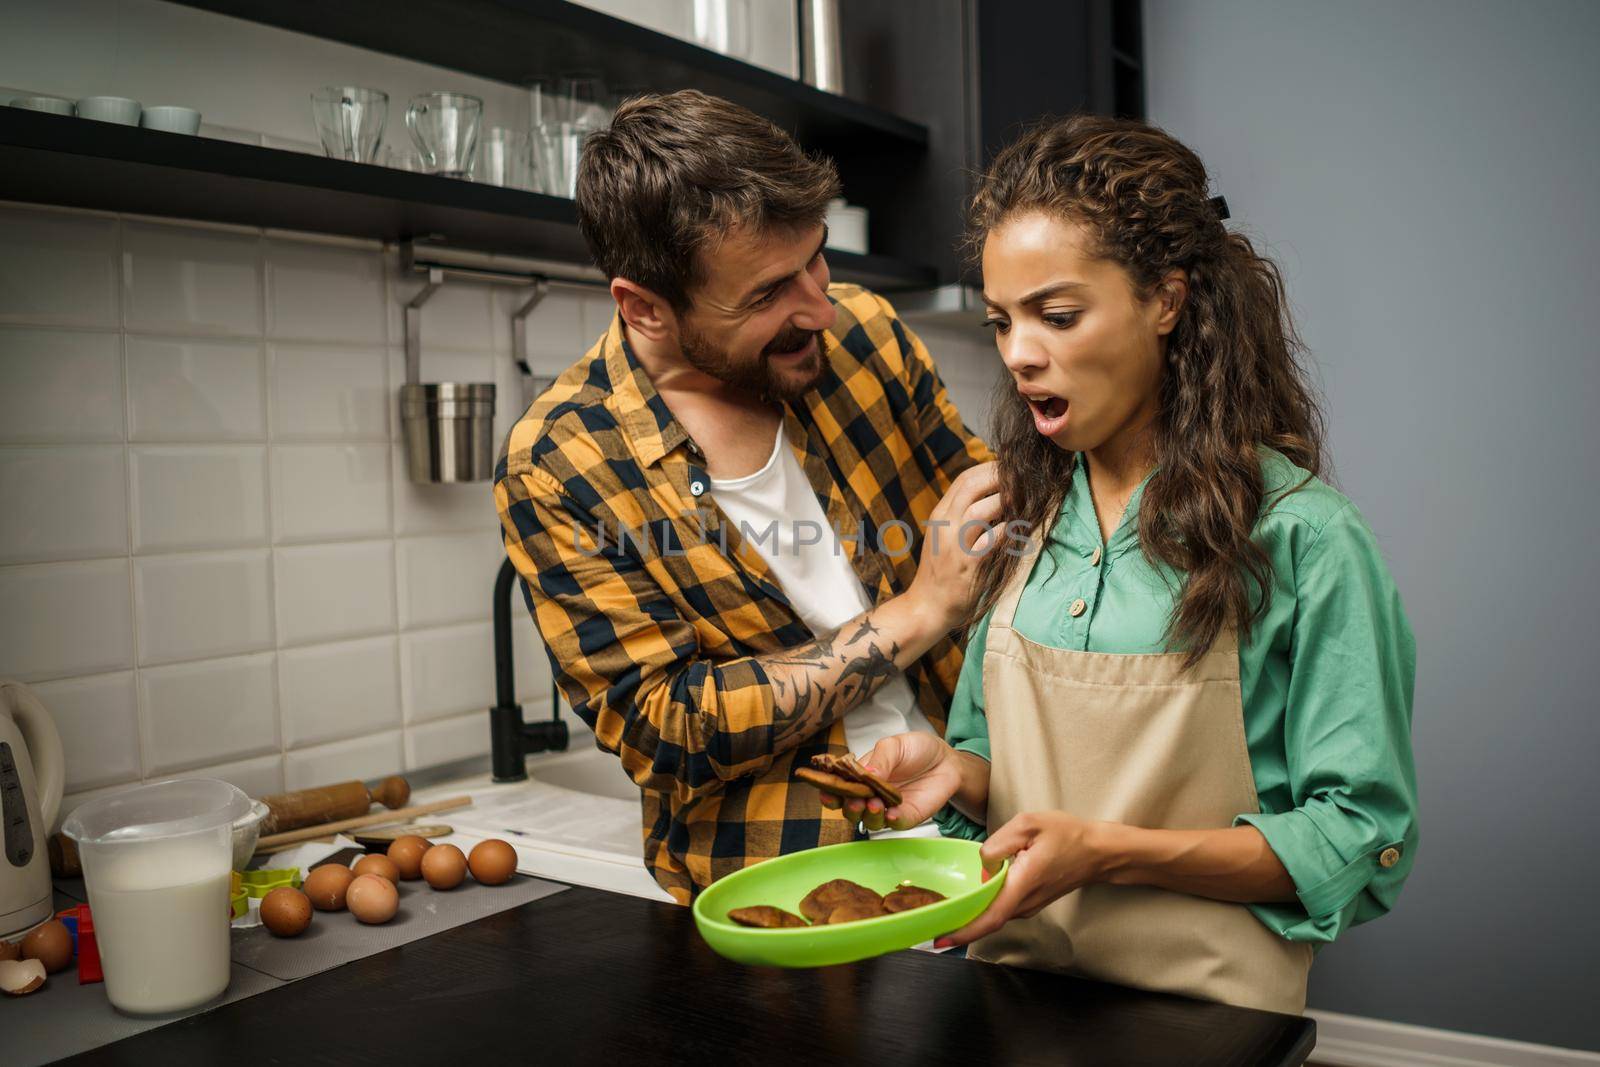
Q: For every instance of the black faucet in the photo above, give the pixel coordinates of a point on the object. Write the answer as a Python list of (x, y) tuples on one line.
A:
[(510, 739)]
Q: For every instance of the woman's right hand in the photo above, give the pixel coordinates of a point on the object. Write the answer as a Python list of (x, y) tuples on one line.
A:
[(921, 766)]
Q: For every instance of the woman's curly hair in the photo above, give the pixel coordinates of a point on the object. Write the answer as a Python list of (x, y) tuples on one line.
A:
[(1233, 379)]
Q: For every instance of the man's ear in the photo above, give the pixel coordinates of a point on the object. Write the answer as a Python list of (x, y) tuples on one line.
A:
[(1171, 292), (645, 313)]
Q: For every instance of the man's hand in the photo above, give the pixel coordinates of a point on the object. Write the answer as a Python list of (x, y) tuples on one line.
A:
[(1052, 853), (921, 766), (955, 541)]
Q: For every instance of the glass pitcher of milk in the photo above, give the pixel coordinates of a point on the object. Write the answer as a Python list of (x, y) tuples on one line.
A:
[(156, 860)]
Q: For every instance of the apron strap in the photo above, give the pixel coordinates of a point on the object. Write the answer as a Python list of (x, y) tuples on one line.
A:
[(1006, 607)]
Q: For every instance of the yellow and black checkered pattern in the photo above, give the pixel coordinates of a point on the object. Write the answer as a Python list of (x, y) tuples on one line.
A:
[(654, 634)]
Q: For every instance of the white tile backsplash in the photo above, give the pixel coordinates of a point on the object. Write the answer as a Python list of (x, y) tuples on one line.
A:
[(196, 713), (319, 292), (362, 757), (59, 386), (334, 591), (63, 619), (324, 394), (192, 606), (98, 720), (447, 671), (455, 317), (187, 279), (62, 503), (189, 389), (257, 777), (430, 509), (239, 441), (198, 496), (447, 740), (340, 690), (556, 327), (58, 268), (325, 492), (448, 578)]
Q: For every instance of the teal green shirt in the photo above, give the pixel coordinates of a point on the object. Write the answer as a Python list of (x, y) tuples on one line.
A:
[(1326, 681)]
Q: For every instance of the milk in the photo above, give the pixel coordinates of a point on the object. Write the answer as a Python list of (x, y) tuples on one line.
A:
[(161, 919)]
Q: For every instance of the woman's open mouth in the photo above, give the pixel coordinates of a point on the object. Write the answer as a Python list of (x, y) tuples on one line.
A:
[(1049, 413)]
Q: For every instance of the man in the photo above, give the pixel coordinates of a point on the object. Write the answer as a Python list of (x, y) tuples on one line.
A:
[(671, 501)]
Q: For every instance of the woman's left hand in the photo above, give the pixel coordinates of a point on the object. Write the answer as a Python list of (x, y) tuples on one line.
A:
[(1052, 853)]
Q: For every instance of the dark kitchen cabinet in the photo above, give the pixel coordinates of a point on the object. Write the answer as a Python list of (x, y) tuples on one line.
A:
[(1018, 61)]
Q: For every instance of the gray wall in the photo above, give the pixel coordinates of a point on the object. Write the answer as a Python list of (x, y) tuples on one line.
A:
[(1426, 174)]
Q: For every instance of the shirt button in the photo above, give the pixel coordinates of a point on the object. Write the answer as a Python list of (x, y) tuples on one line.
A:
[(1389, 857), (697, 487), (1094, 560), (1079, 607)]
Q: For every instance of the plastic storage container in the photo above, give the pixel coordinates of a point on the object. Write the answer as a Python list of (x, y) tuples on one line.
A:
[(156, 863)]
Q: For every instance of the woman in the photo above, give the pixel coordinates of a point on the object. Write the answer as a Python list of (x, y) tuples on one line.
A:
[(1185, 709)]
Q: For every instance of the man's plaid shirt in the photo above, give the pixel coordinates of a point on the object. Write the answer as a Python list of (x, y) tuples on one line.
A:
[(654, 633)]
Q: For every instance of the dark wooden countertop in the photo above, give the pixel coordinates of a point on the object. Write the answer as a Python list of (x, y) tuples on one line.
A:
[(592, 977)]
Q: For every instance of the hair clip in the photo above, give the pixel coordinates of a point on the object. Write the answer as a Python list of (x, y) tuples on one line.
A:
[(1219, 204)]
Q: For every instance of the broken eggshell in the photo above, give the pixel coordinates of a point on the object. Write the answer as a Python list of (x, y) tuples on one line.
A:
[(20, 977)]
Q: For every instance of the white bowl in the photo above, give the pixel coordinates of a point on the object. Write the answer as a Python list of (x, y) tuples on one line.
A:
[(118, 109), (171, 119), (55, 105), (246, 831)]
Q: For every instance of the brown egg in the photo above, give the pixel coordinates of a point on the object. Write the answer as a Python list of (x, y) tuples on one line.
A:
[(444, 866), (382, 866), (10, 950), (493, 861), (50, 944), (286, 911), (326, 886), (373, 898), (406, 852)]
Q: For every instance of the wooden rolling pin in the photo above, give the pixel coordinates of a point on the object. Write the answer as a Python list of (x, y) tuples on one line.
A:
[(277, 842), (330, 803)]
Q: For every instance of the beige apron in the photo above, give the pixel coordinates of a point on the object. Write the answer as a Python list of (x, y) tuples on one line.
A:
[(1133, 739)]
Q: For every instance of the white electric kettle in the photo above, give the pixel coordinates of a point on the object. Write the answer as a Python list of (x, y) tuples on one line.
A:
[(31, 775)]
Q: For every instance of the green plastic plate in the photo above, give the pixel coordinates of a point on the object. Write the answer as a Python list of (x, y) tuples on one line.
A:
[(943, 864)]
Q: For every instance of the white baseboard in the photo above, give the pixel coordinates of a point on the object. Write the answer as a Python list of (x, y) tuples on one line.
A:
[(1354, 1041)]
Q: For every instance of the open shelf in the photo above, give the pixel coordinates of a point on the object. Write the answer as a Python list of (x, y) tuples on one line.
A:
[(53, 159), (515, 41)]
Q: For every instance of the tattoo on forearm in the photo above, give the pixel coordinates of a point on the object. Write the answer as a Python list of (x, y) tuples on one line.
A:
[(817, 682), (866, 629)]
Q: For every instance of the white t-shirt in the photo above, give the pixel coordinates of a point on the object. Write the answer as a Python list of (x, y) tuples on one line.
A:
[(816, 577)]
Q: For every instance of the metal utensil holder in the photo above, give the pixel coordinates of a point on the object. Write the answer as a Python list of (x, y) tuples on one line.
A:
[(449, 426)]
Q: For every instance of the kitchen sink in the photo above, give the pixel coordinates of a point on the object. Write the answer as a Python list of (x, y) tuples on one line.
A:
[(589, 770)]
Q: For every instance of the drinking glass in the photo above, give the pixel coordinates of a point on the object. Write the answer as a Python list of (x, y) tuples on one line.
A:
[(445, 129), (581, 98), (541, 103), (350, 121), (557, 147), (507, 158), (723, 26)]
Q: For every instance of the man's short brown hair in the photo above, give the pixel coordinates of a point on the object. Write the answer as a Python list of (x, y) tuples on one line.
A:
[(674, 172)]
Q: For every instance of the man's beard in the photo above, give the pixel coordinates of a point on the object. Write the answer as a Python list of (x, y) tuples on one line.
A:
[(758, 375)]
